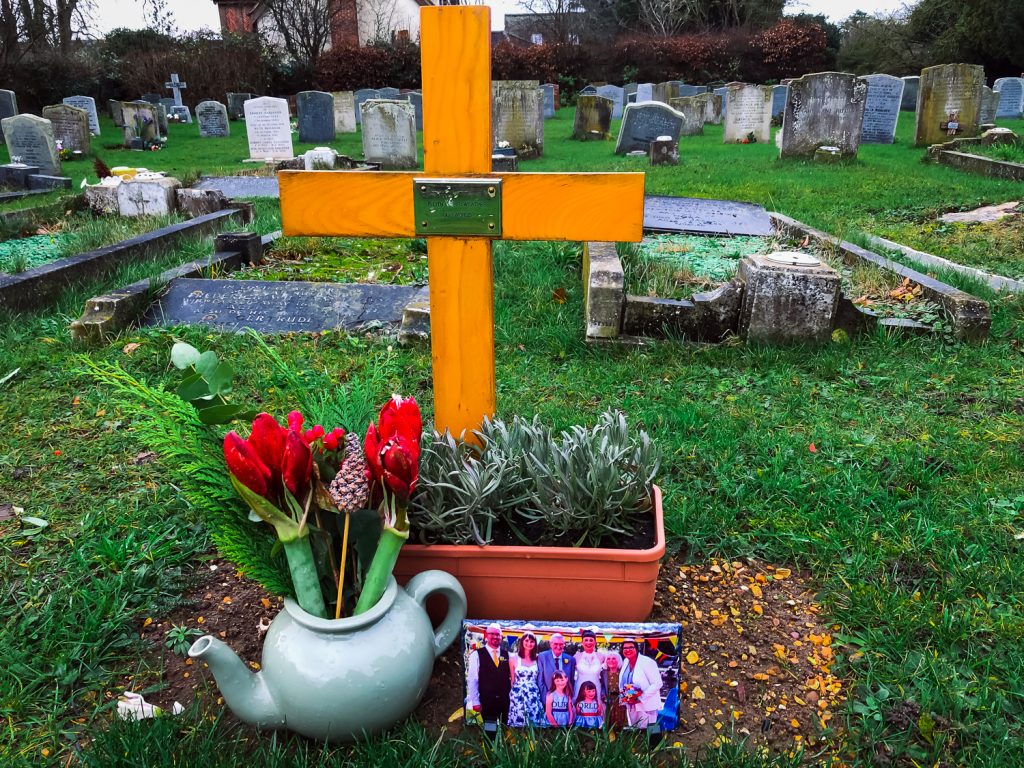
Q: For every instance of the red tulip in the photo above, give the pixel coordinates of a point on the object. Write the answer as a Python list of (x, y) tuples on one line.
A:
[(296, 465), (401, 416), (245, 464), (268, 439), (371, 447), (400, 461)]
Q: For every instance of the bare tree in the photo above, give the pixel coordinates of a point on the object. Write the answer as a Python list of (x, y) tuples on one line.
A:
[(383, 18), (558, 20), (32, 25), (665, 17), (304, 27)]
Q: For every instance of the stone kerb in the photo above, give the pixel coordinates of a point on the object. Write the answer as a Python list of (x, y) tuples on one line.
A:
[(603, 290)]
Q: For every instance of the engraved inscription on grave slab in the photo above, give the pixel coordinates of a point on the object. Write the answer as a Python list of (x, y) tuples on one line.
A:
[(457, 206)]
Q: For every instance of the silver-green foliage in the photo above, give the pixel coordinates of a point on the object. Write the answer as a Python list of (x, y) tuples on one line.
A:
[(583, 486)]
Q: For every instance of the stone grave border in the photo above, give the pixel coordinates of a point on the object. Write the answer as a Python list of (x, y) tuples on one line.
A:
[(711, 316), (20, 217), (42, 285), (949, 153)]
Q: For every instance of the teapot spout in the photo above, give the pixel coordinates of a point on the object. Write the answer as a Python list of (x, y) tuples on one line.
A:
[(245, 692)]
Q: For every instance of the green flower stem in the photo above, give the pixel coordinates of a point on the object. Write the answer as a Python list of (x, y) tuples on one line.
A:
[(381, 568), (304, 576)]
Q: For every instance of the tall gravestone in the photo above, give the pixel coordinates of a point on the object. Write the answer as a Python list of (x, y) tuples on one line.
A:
[(316, 117), (161, 117), (30, 139), (644, 92), (344, 112), (748, 113), (823, 109), (1011, 99), (642, 123), (593, 118), (910, 86), (712, 105), (88, 103), (236, 105), (8, 106), (664, 92), (722, 93), (517, 116), (948, 103), (549, 101), (618, 97), (629, 94), (363, 94), (116, 114), (389, 133), (692, 108), (416, 99), (212, 117), (882, 108), (269, 129), (140, 123), (70, 126), (990, 101), (779, 93)]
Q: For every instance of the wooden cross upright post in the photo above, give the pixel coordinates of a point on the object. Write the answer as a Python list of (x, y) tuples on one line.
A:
[(460, 207)]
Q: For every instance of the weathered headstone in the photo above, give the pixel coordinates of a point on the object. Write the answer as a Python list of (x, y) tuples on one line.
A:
[(712, 106), (664, 150), (212, 117), (882, 108), (618, 97), (948, 103), (823, 109), (416, 99), (344, 112), (990, 101), (70, 126), (1011, 102), (549, 101), (387, 92), (642, 123), (629, 94), (140, 123), (236, 105), (784, 303), (182, 114), (748, 113), (663, 92), (177, 86), (161, 117), (88, 103), (116, 114), (389, 133), (362, 95), (779, 93), (692, 109), (268, 126), (31, 139), (722, 93), (588, 90), (167, 103), (644, 92), (319, 159), (593, 118), (151, 98), (516, 118), (316, 117), (910, 86), (683, 90), (8, 106), (147, 197)]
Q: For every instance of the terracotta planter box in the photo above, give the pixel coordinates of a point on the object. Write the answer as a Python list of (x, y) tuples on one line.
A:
[(547, 583)]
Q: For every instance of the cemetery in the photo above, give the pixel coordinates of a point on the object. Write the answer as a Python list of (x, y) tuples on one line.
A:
[(325, 396)]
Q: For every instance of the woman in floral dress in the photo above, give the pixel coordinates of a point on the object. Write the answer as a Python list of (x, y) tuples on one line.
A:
[(525, 707)]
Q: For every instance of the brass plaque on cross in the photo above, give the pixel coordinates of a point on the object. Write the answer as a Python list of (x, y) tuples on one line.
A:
[(464, 207)]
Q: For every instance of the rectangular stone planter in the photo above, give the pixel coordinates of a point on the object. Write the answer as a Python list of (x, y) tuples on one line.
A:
[(548, 583)]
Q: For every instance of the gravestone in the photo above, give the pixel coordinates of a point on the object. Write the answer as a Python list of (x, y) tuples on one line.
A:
[(629, 94), (910, 86), (362, 95), (268, 127), (177, 86), (990, 101), (712, 106), (823, 109), (663, 92), (1011, 100), (388, 92), (644, 92), (588, 90), (183, 114), (31, 139), (140, 123), (722, 93), (88, 103), (882, 108), (147, 197), (344, 112), (161, 117), (642, 123), (549, 101), (316, 117), (212, 117), (236, 105), (70, 126), (618, 97), (948, 103), (664, 150), (151, 98), (779, 93), (517, 116), (416, 99), (167, 103), (389, 133), (593, 118), (692, 108), (116, 114), (683, 90), (705, 217), (8, 106), (748, 113)]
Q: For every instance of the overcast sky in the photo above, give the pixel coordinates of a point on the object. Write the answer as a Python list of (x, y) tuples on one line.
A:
[(192, 15)]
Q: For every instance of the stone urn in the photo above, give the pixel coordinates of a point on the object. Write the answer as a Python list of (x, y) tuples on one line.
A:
[(341, 679)]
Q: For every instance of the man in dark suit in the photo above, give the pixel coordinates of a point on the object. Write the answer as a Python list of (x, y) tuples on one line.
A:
[(554, 660), (488, 678)]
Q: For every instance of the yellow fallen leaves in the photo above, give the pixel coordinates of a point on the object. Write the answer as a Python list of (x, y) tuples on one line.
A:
[(692, 657), (698, 693), (782, 573), (906, 291), (755, 590)]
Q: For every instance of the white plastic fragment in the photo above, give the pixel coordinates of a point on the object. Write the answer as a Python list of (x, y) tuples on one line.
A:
[(132, 706)]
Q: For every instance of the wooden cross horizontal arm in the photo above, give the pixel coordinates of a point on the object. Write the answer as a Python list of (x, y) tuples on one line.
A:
[(535, 206)]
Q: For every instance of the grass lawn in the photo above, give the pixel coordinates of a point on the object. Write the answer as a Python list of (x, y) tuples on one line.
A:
[(887, 469)]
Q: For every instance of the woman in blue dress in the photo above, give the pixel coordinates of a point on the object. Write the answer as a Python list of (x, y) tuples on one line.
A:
[(525, 707)]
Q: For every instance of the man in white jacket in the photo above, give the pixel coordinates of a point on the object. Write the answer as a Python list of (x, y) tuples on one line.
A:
[(641, 671)]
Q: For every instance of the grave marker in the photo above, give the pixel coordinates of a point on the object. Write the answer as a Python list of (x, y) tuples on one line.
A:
[(516, 116), (362, 95), (712, 104), (344, 112), (212, 117), (549, 101), (882, 108), (177, 86), (70, 126), (722, 93), (31, 138), (161, 118), (88, 103), (1011, 100), (236, 105), (990, 101), (911, 83), (618, 97), (182, 113), (593, 118), (701, 216), (948, 103), (416, 99), (151, 98), (644, 92), (779, 94), (268, 127), (692, 108), (388, 92), (116, 113), (316, 117), (748, 112), (389, 133), (8, 106), (823, 109), (644, 122), (140, 123)]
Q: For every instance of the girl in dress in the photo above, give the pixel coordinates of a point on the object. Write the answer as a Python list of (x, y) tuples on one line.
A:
[(558, 709), (525, 707), (589, 709), (589, 665)]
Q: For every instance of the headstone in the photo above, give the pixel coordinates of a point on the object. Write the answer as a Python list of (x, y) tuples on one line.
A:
[(748, 113), (88, 103), (177, 86), (705, 217), (316, 117), (389, 133), (147, 197), (663, 92), (344, 111), (784, 303), (692, 109), (1011, 101), (516, 118), (540, 117), (642, 123), (268, 126), (70, 126), (140, 123), (236, 105), (629, 94), (8, 106), (682, 89), (182, 113), (504, 163), (549, 101), (618, 97), (882, 108), (990, 101), (161, 116), (362, 95), (644, 92), (910, 86), (558, 97), (114, 107), (948, 103), (664, 151), (212, 117), (167, 103), (593, 118), (712, 106), (319, 159), (151, 98), (416, 99), (588, 90), (722, 93), (31, 139), (826, 108), (779, 93), (388, 92)]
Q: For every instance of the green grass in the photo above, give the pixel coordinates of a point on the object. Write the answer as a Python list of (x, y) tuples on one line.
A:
[(905, 516)]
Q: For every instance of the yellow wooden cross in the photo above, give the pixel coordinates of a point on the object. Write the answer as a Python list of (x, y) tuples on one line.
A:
[(455, 44)]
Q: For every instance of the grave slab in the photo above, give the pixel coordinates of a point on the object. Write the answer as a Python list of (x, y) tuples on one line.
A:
[(707, 217)]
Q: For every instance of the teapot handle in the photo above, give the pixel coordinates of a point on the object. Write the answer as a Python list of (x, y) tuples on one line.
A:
[(424, 584)]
